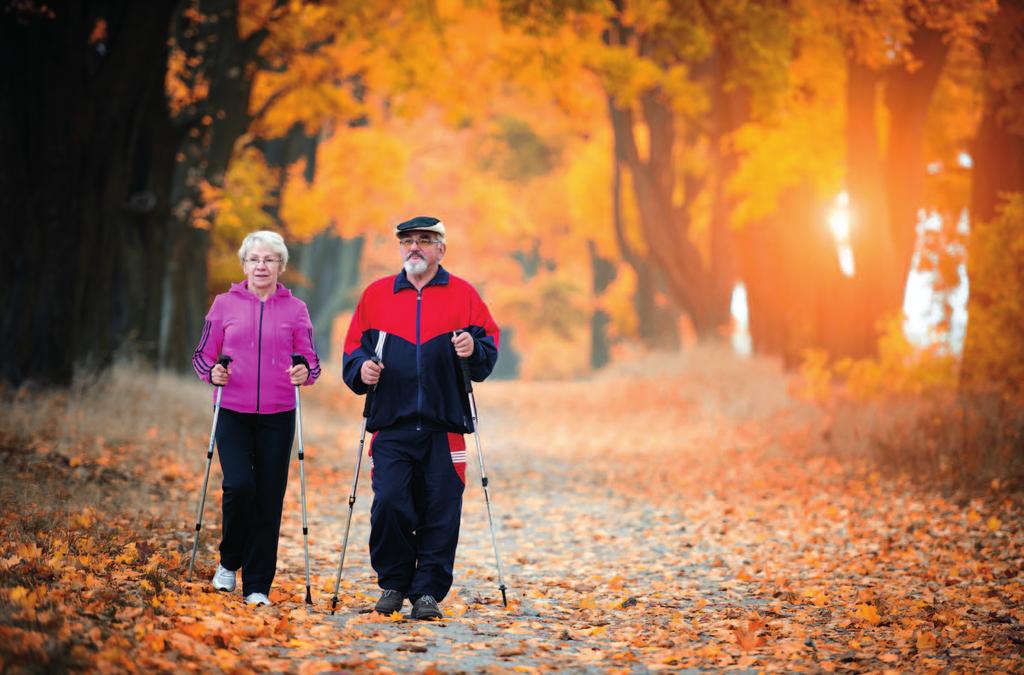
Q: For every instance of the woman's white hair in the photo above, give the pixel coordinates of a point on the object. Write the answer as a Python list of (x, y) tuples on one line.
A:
[(271, 240)]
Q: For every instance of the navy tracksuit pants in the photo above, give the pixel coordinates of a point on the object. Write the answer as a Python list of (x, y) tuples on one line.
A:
[(416, 511), (254, 452)]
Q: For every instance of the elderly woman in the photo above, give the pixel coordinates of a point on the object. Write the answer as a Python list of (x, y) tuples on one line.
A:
[(259, 324)]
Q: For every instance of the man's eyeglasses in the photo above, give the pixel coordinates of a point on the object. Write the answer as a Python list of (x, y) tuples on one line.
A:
[(269, 262), (422, 242)]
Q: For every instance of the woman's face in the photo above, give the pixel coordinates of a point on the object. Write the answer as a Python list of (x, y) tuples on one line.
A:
[(262, 266)]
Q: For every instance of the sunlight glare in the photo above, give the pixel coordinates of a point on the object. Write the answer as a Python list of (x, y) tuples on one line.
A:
[(740, 339), (839, 220)]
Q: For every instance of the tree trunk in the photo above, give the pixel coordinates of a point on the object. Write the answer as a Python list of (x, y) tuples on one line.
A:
[(86, 139), (796, 296), (665, 226), (878, 292), (998, 155), (729, 110), (330, 264), (603, 274), (209, 129), (657, 327), (908, 96), (998, 151)]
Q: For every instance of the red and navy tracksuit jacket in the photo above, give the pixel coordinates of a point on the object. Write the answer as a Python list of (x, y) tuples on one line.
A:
[(421, 384), (418, 412)]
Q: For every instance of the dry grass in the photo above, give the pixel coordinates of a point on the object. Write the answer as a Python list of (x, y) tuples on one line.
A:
[(78, 443), (960, 442)]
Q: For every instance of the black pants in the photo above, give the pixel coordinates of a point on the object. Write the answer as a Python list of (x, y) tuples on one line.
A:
[(417, 506), (254, 453)]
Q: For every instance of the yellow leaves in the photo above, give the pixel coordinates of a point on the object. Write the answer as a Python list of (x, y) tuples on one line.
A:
[(301, 205), (992, 523), (239, 204), (29, 551), (815, 382), (18, 594), (816, 595), (225, 660), (184, 83), (129, 554), (868, 614), (994, 350), (354, 201), (624, 75), (926, 641)]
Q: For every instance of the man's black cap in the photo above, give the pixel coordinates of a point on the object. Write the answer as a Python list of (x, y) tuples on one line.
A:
[(421, 223)]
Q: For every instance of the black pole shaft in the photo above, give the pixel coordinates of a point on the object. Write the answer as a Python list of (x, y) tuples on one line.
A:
[(224, 361)]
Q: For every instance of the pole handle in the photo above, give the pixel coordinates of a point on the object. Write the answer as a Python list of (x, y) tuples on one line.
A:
[(298, 359), (467, 383), (369, 394), (223, 361)]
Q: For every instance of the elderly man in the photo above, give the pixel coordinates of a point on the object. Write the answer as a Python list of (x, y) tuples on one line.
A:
[(419, 322)]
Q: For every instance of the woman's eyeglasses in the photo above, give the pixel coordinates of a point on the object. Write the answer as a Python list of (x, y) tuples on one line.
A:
[(269, 262)]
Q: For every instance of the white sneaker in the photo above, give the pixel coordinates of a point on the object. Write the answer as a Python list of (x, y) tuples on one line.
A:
[(224, 579), (257, 599)]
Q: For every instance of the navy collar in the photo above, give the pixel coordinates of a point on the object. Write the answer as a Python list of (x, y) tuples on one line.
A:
[(402, 280)]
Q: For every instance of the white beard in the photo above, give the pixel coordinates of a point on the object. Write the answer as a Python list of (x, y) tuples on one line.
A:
[(415, 266)]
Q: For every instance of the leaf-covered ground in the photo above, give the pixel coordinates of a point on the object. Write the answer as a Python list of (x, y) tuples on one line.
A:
[(668, 515)]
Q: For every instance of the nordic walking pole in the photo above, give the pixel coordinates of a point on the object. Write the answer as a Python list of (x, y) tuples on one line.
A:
[(296, 360), (223, 361), (355, 479), (468, 383)]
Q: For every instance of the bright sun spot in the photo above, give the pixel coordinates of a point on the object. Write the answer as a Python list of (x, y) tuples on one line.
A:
[(839, 219), (740, 338)]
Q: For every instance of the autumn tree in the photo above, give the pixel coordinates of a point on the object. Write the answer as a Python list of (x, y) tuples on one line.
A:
[(85, 179), (142, 105), (993, 353)]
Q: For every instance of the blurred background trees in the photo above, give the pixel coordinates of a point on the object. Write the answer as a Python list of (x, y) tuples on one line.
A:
[(614, 173)]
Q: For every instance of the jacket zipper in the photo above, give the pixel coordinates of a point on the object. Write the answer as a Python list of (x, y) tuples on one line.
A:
[(259, 358), (419, 384)]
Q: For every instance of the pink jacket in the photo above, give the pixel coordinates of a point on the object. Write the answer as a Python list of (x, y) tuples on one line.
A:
[(260, 338)]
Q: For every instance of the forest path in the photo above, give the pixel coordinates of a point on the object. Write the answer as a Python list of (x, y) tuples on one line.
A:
[(678, 513)]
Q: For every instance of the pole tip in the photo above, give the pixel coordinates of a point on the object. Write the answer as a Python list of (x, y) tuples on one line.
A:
[(334, 604), (309, 598), (504, 600)]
